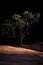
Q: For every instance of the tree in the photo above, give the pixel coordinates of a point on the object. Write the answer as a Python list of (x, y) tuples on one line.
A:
[(22, 23)]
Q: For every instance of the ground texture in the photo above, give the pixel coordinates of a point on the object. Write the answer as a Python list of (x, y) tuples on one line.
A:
[(10, 55)]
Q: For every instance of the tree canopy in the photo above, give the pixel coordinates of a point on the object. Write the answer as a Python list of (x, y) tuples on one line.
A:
[(21, 23)]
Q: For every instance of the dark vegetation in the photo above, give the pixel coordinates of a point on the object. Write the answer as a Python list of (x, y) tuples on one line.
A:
[(18, 29), (9, 8)]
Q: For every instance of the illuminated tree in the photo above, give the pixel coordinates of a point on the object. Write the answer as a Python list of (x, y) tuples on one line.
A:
[(22, 23)]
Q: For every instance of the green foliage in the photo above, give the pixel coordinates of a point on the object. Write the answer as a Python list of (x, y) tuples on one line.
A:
[(20, 22), (16, 17), (26, 19)]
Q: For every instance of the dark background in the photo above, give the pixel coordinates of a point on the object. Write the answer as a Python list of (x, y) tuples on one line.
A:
[(8, 8)]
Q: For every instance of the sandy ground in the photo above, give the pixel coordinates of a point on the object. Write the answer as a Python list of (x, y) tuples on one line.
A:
[(10, 55)]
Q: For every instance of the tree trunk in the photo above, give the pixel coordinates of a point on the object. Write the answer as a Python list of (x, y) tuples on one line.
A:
[(20, 40)]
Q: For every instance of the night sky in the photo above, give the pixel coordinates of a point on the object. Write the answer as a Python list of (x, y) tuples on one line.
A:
[(8, 8)]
